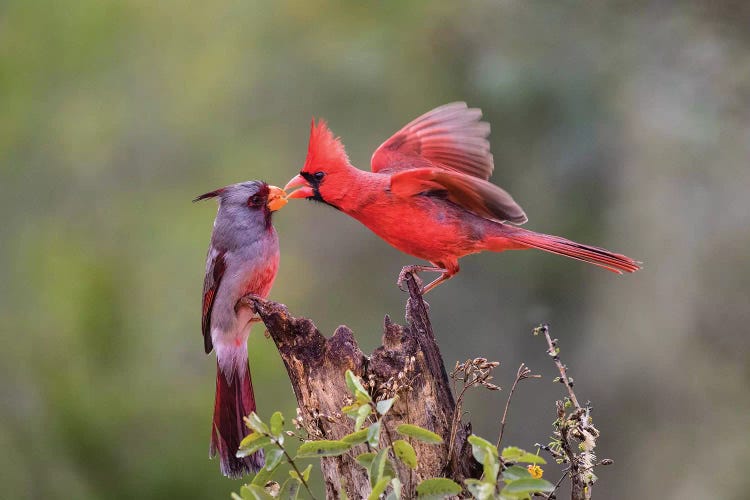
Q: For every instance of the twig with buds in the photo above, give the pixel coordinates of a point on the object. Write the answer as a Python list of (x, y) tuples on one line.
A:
[(522, 374), (554, 352), (569, 428), (472, 373)]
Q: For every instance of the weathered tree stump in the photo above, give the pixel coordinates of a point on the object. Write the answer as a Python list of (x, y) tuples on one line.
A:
[(317, 366)]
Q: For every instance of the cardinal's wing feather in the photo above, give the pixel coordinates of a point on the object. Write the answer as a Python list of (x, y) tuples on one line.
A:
[(450, 137), (475, 195), (215, 267)]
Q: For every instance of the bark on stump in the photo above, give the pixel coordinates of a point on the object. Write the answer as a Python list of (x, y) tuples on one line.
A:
[(316, 367)]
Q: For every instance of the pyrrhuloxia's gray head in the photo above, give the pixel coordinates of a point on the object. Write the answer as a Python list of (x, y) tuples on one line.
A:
[(246, 202), (253, 194)]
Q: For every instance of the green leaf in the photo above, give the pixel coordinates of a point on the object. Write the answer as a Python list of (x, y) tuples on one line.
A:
[(365, 459), (491, 467), (481, 490), (437, 488), (419, 433), (377, 467), (362, 397), (262, 477), (351, 409), (395, 493), (357, 412), (385, 405), (362, 414), (322, 448), (527, 486), (373, 434), (531, 458), (355, 438), (273, 458), (514, 473), (405, 452), (255, 445), (486, 454), (254, 492), (254, 422), (290, 489), (512, 453), (277, 423), (358, 390), (379, 488), (515, 454), (389, 470), (250, 439), (481, 449), (305, 473)]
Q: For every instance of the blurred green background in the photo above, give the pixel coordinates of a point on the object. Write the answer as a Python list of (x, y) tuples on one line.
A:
[(622, 124)]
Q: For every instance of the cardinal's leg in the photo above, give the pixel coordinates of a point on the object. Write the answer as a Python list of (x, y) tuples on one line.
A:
[(447, 270), (451, 269)]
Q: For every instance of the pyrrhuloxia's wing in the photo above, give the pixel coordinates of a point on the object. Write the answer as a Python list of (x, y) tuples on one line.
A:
[(449, 137), (215, 266), (475, 195)]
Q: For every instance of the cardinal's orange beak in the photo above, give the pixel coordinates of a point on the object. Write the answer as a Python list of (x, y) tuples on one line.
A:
[(304, 191), (277, 198)]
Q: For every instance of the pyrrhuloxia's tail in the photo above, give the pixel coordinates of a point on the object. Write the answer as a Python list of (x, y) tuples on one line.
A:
[(516, 237), (234, 400)]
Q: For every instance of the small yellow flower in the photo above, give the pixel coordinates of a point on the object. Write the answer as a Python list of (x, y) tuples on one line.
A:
[(535, 471)]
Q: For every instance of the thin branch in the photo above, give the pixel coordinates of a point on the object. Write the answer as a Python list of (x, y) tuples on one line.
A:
[(523, 373), (408, 419), (472, 373), (294, 466), (457, 413), (554, 352), (574, 426), (557, 485)]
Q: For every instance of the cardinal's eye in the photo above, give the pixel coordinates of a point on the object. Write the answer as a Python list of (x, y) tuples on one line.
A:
[(319, 175), (255, 200)]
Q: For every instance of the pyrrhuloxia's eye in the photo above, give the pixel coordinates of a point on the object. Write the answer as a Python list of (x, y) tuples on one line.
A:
[(255, 200), (319, 175)]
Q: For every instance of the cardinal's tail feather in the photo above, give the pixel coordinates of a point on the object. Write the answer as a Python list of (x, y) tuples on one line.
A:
[(523, 238), (234, 400)]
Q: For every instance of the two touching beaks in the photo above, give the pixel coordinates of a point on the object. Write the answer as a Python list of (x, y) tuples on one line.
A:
[(277, 197)]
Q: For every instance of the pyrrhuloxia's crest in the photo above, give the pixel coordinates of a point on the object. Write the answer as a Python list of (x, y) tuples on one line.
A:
[(211, 194)]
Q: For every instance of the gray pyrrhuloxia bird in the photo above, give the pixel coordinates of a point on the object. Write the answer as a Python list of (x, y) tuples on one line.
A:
[(242, 259)]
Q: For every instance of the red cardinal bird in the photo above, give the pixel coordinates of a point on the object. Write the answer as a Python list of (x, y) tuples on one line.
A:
[(428, 194), (243, 258)]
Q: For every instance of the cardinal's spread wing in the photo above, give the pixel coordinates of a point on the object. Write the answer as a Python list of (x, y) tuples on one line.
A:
[(450, 137), (475, 195), (215, 267)]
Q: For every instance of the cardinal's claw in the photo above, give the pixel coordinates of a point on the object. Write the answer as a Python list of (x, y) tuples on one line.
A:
[(413, 270), (401, 281)]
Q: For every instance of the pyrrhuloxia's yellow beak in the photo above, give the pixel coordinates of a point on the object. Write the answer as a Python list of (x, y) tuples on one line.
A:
[(304, 191), (277, 198)]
